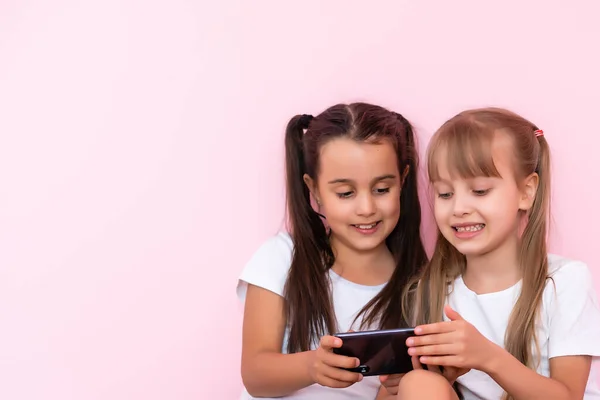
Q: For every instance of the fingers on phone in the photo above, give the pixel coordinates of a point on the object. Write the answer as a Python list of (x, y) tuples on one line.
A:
[(334, 383), (340, 361), (330, 342), (343, 375)]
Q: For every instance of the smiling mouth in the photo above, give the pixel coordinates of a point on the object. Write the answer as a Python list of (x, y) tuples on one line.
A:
[(469, 228), (366, 226)]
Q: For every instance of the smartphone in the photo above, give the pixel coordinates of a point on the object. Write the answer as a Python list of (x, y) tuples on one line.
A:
[(380, 352)]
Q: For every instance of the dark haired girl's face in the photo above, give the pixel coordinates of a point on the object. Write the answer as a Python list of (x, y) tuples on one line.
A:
[(358, 188)]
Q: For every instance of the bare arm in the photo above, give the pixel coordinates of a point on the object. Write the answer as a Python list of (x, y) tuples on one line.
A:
[(568, 377), (265, 371)]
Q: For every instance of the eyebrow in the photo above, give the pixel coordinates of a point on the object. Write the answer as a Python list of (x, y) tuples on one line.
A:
[(377, 179), (449, 182)]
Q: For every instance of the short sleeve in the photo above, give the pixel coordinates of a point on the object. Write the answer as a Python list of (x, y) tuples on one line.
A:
[(268, 267), (574, 315)]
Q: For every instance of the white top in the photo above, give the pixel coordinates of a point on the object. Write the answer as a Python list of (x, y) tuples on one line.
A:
[(268, 268), (570, 323)]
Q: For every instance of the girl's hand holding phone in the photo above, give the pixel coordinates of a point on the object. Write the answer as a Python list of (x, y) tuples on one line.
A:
[(326, 368), (452, 344)]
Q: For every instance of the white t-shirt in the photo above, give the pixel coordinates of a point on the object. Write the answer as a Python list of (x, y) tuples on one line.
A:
[(268, 268), (570, 323)]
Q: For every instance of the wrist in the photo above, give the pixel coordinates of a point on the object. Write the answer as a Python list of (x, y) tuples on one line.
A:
[(309, 360), (495, 358)]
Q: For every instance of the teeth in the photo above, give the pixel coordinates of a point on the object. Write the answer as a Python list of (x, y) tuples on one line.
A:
[(471, 228), (366, 226)]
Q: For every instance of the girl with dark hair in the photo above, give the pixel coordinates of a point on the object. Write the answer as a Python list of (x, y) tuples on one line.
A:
[(354, 242)]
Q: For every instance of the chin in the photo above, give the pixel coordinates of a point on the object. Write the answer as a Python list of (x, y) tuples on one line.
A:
[(364, 247), (470, 252), (471, 249), (366, 244)]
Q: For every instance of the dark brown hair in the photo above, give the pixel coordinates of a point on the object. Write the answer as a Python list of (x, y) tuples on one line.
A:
[(309, 306), (467, 141)]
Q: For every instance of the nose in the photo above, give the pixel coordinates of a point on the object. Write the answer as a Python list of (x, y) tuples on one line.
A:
[(366, 205), (461, 205)]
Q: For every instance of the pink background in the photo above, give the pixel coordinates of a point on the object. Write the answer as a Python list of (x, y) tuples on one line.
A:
[(141, 159)]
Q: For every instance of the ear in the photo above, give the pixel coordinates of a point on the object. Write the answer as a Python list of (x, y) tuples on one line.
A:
[(312, 187), (530, 186), (404, 175)]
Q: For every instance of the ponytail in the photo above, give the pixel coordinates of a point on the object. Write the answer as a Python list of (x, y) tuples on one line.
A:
[(534, 263), (312, 256), (412, 250)]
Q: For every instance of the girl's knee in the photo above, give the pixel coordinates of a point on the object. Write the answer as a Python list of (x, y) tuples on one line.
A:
[(423, 384)]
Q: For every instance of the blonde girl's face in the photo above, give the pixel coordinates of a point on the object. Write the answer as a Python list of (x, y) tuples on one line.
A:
[(481, 214), (358, 189)]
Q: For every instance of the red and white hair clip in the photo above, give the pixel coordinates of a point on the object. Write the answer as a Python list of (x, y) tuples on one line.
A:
[(538, 133)]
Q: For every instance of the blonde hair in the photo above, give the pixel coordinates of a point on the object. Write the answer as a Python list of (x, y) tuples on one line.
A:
[(467, 141)]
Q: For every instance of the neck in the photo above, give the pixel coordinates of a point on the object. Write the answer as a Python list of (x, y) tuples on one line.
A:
[(369, 267), (496, 270)]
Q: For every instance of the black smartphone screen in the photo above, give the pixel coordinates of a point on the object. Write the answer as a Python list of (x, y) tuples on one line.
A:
[(380, 352)]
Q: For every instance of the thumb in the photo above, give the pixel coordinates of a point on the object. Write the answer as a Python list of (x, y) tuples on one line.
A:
[(450, 313), (329, 342)]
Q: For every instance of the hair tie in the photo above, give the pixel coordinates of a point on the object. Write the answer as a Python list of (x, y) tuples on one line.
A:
[(305, 120), (538, 133)]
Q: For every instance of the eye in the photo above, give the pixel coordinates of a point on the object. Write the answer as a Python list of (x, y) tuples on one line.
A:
[(482, 192), (445, 195), (382, 190), (344, 195)]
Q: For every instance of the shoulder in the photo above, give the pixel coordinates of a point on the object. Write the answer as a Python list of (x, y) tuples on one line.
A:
[(570, 284), (279, 245), (572, 313), (268, 267), (565, 273)]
